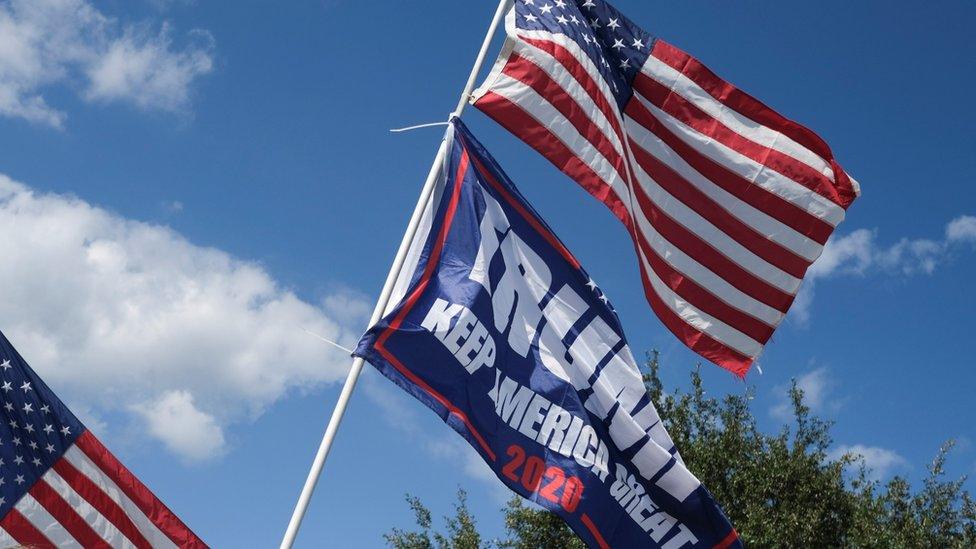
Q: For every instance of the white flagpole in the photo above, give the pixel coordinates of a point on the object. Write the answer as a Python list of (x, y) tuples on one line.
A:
[(357, 363)]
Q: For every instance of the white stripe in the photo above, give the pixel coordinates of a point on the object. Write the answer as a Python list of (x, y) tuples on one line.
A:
[(704, 277), (762, 223), (37, 515), (746, 127), (100, 524), (149, 530), (700, 320), (570, 85), (535, 106), (748, 168), (727, 246), (6, 540)]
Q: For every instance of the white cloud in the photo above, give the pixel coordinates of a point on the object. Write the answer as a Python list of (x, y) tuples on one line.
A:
[(858, 254), (182, 427), (817, 387), (962, 229), (880, 462), (44, 43), (117, 314)]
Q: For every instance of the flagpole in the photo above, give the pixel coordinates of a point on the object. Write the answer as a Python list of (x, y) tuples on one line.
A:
[(357, 363)]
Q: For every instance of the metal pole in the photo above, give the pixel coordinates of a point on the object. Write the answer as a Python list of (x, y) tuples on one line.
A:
[(357, 363)]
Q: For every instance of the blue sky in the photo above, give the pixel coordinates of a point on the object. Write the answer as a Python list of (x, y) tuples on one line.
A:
[(185, 185)]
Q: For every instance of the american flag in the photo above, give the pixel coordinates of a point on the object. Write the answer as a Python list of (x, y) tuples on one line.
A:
[(59, 486), (727, 201)]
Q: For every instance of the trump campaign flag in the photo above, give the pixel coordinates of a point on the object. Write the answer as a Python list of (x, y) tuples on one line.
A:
[(59, 487), (498, 329), (727, 201)]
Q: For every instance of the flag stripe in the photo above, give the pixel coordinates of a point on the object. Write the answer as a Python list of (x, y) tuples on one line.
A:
[(747, 167), (695, 338), (63, 513), (706, 127), (647, 143), (99, 524), (751, 107), (100, 501), (704, 208), (769, 296), (44, 522), (677, 82), (19, 528), (154, 509), (82, 463)]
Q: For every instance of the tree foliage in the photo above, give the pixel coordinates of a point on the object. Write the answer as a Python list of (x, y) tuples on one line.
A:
[(779, 490)]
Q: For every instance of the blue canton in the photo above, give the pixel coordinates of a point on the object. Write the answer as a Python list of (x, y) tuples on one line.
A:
[(36, 427), (616, 46)]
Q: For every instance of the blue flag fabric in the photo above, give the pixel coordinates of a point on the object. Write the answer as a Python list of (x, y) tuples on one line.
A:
[(500, 331)]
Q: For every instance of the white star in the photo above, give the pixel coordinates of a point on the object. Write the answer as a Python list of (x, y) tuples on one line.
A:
[(617, 44), (638, 43), (6, 387), (546, 9), (26, 386), (2, 499), (16, 441), (36, 462), (562, 20), (29, 427), (33, 445), (529, 2), (46, 409), (589, 4), (625, 63), (574, 19), (19, 479), (28, 407), (48, 429), (531, 18), (9, 407), (13, 424), (560, 4), (591, 284), (19, 460), (6, 364), (66, 430), (49, 448), (595, 23), (603, 298), (613, 24), (586, 38)]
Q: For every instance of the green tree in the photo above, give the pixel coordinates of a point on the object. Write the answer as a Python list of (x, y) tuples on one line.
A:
[(779, 489)]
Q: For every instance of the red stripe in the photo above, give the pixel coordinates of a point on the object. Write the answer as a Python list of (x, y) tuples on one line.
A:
[(773, 205), (513, 118), (23, 531), (573, 66), (66, 516), (769, 250), (702, 299), (697, 341), (689, 113), (527, 215), (100, 501), (596, 533), (748, 106), (703, 252), (155, 510), (432, 263), (537, 136), (526, 72), (728, 540)]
